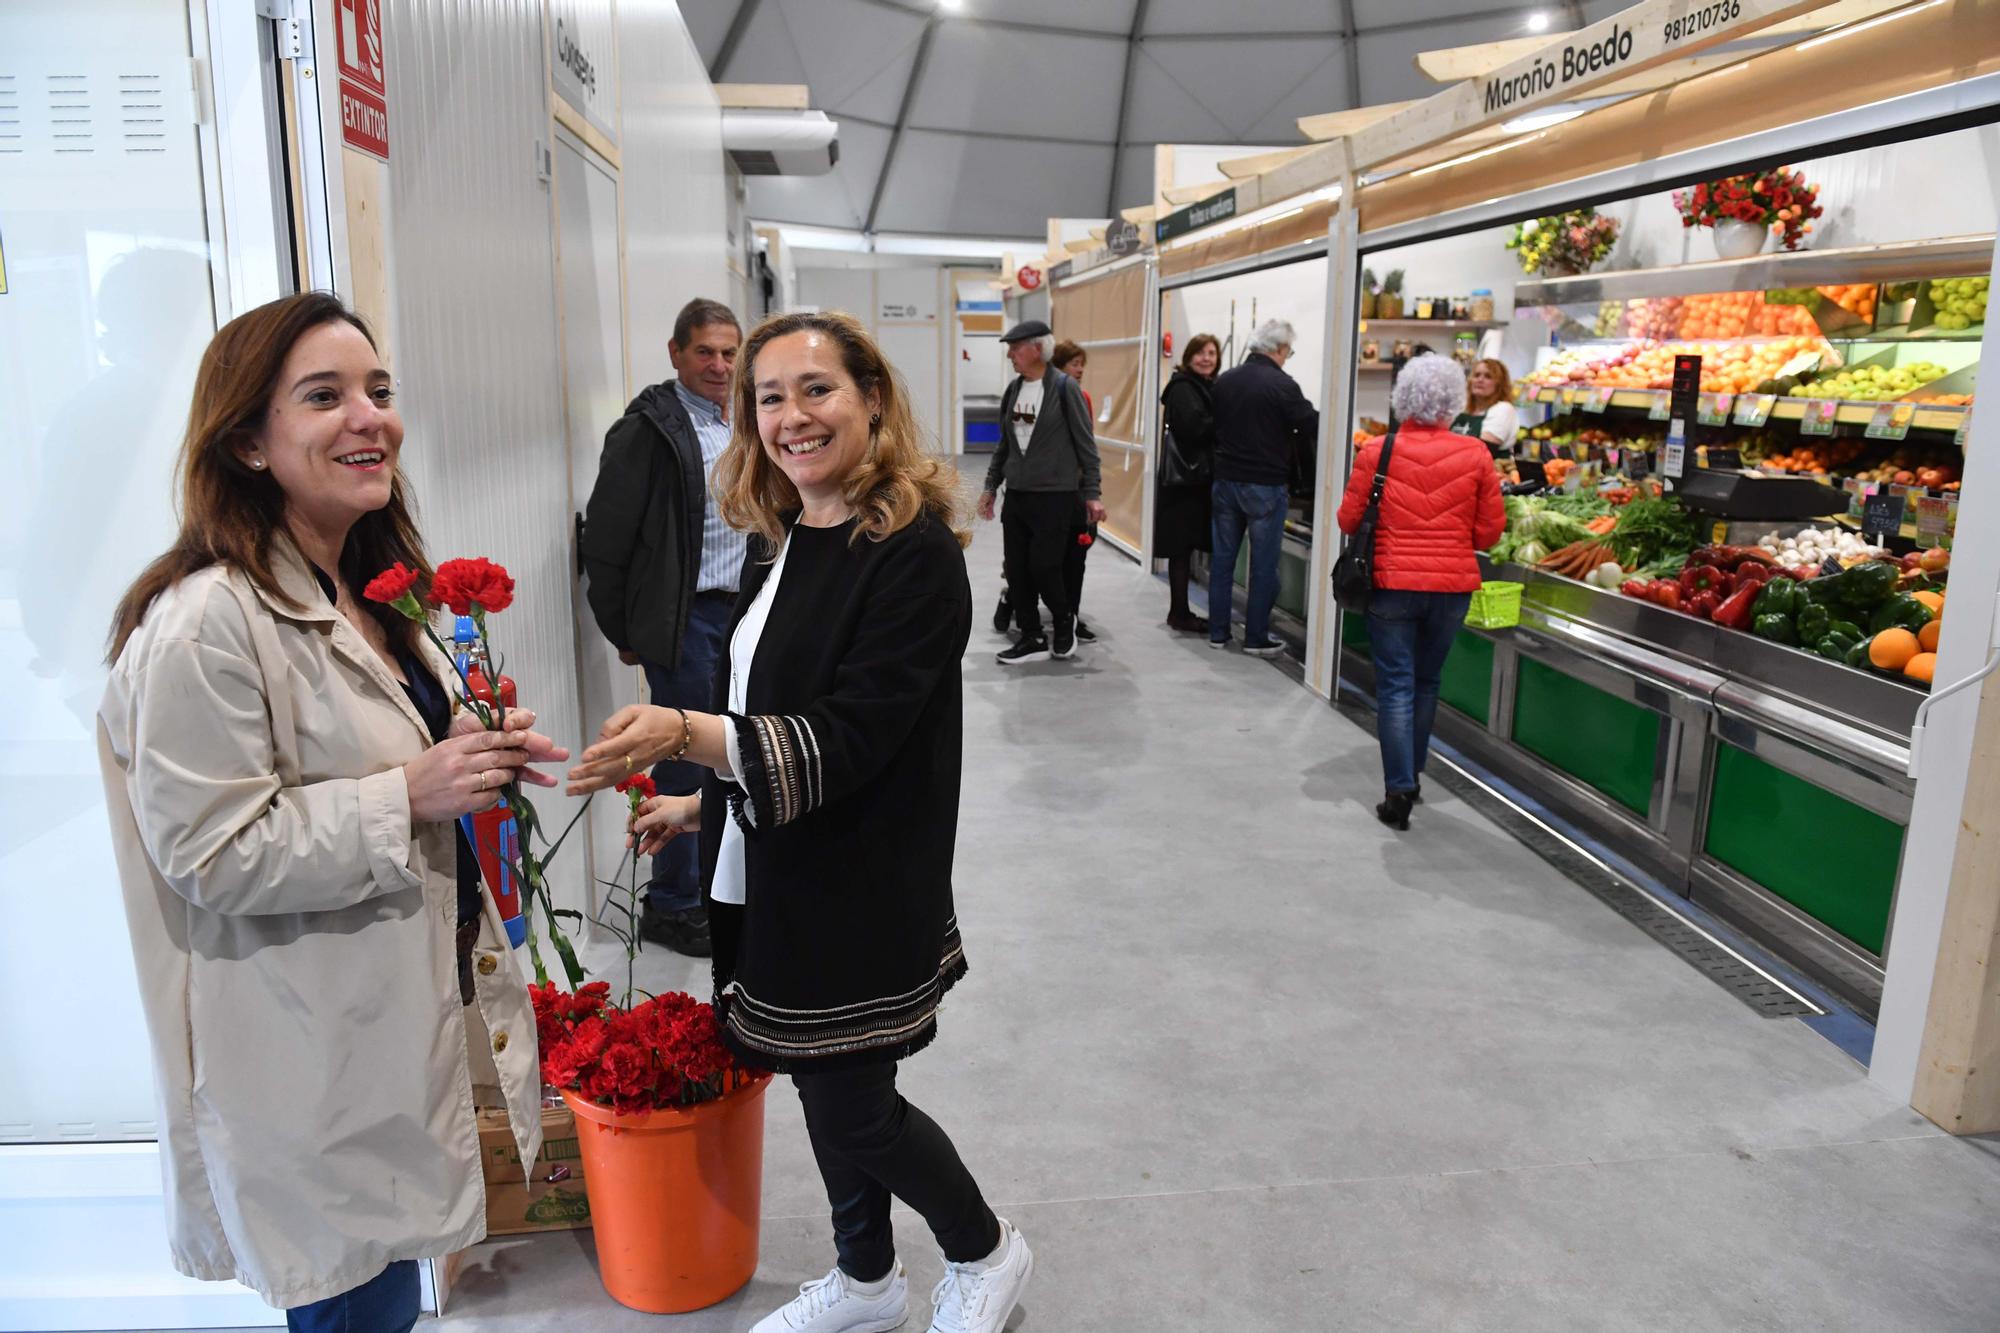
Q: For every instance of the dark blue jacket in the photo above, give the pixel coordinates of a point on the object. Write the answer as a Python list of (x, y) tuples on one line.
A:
[(1264, 427)]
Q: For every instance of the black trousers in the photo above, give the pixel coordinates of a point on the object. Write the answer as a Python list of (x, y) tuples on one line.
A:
[(871, 1145), (1038, 526)]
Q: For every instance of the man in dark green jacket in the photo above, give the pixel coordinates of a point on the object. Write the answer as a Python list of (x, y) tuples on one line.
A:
[(1047, 459), (662, 569)]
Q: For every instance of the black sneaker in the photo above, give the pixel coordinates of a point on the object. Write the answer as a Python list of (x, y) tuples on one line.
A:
[(1027, 650), (1084, 633), (1395, 811), (1003, 615), (685, 931), (1065, 639)]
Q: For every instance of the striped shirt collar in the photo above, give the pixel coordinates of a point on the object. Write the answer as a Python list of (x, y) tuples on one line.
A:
[(694, 402)]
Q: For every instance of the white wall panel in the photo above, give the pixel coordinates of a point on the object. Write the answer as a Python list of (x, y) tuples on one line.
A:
[(473, 281), (676, 211)]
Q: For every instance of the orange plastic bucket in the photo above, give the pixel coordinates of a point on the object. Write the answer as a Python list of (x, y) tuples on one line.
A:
[(675, 1197)]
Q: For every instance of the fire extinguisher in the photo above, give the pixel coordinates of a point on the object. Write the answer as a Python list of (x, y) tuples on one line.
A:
[(495, 834)]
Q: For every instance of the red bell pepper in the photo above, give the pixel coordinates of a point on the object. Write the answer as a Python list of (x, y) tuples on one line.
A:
[(1635, 588), (1667, 593), (1696, 579), (1703, 604), (1750, 572), (1735, 612)]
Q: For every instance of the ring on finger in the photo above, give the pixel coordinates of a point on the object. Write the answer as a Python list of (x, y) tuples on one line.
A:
[(482, 781), (628, 765)]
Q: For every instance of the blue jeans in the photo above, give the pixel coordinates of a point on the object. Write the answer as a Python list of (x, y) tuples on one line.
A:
[(676, 882), (386, 1303), (1410, 634), (1240, 507)]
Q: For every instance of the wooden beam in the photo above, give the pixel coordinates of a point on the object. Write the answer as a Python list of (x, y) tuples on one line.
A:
[(764, 96), (1237, 168), (1637, 39), (1335, 124), (1453, 63), (1180, 196), (1958, 1072), (1140, 217)]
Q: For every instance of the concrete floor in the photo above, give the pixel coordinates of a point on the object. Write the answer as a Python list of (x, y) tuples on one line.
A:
[(1235, 1057)]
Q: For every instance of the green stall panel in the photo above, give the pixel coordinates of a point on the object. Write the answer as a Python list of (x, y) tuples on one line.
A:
[(1292, 572), (1354, 632), (1823, 854), (1468, 675), (1593, 736)]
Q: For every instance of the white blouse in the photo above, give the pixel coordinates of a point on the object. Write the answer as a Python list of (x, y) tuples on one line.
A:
[(728, 884)]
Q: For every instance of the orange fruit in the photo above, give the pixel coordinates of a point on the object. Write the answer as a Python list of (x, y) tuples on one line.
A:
[(1892, 649), (1930, 599), (1927, 637), (1920, 667)]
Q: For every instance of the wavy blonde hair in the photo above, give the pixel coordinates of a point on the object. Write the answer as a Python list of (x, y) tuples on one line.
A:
[(897, 480)]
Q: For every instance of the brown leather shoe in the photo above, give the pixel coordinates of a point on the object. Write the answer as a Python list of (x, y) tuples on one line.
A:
[(1188, 624)]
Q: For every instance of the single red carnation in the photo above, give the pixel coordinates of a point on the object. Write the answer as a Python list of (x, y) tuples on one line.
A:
[(469, 585), (639, 783), (391, 585)]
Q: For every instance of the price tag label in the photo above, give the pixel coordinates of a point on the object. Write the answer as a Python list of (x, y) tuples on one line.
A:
[(1535, 449), (1673, 457), (1891, 421), (1596, 400), (1964, 425), (1712, 409), (1719, 534), (1933, 519), (1858, 492), (1882, 516), (1754, 409), (1612, 457), (1570, 397), (1821, 414), (1662, 407)]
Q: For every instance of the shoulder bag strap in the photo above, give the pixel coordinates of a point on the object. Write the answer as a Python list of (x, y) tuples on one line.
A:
[(1381, 479)]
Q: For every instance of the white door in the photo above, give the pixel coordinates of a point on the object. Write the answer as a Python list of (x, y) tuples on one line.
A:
[(595, 394)]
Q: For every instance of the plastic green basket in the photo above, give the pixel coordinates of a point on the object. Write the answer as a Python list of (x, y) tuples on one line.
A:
[(1497, 605)]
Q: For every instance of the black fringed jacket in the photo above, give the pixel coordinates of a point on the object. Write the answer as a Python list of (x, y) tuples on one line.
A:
[(847, 939)]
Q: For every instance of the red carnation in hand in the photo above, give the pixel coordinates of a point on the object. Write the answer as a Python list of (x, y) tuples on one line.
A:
[(391, 585), (1084, 539), (638, 786), (470, 587)]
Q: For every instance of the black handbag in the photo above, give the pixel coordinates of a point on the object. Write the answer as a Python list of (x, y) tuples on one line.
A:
[(1176, 468), (1354, 572)]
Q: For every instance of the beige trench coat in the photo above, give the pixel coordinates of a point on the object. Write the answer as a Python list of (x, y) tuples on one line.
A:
[(294, 935)]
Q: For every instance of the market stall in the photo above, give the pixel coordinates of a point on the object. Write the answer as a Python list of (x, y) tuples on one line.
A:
[(1100, 303), (1739, 480)]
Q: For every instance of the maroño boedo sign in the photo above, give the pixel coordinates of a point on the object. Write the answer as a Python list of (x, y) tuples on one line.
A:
[(1626, 43)]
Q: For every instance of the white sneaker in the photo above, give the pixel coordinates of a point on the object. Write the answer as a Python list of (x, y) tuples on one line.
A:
[(978, 1298), (832, 1305)]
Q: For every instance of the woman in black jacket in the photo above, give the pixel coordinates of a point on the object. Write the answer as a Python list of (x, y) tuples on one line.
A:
[(827, 829), (1180, 516)]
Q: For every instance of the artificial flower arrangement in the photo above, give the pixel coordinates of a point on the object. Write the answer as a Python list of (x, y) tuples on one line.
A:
[(1778, 199), (1565, 243)]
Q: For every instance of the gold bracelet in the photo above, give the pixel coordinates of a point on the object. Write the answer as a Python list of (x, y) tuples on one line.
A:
[(687, 736)]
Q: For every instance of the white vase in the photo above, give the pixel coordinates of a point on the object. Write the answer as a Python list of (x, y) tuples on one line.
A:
[(1736, 239)]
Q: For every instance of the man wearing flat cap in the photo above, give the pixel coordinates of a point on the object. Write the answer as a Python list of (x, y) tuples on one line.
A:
[(1048, 461)]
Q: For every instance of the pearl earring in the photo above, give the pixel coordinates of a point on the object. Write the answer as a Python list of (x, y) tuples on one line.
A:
[(257, 463)]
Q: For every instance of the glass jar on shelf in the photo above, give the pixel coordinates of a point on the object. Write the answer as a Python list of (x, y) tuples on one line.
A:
[(1424, 304), (1465, 348), (1481, 307), (1371, 351)]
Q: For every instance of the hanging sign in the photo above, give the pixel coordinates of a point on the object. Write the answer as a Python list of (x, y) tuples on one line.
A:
[(1635, 39), (1122, 237), (364, 93), (1029, 277), (1212, 209)]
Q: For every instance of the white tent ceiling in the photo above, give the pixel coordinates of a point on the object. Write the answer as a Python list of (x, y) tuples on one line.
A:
[(988, 118)]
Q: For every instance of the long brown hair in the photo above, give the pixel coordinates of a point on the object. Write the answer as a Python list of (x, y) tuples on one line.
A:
[(1195, 344), (1503, 386), (894, 483), (231, 514)]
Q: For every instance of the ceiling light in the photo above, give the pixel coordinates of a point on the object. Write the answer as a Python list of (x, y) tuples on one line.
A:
[(1538, 21), (951, 6)]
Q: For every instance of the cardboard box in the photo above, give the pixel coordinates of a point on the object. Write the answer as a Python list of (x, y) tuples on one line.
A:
[(521, 1200)]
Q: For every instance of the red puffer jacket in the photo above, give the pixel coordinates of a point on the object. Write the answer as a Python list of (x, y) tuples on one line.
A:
[(1441, 504)]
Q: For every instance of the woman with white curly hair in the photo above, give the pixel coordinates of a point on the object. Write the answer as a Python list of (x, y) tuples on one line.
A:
[(1440, 505)]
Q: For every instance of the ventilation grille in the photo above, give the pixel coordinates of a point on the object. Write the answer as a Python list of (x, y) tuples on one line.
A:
[(10, 116), (142, 113), (755, 161), (70, 128)]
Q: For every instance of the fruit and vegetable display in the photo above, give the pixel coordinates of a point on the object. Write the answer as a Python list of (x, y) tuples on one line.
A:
[(1935, 467), (1869, 384), (1960, 302), (1725, 367)]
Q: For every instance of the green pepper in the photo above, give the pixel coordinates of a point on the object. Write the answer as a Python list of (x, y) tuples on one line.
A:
[(1901, 612), (1857, 656), (1862, 587), (1778, 597), (1776, 628), (1847, 628), (1836, 646), (1814, 622)]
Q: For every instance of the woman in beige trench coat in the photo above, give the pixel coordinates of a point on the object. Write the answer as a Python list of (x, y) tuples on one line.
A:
[(283, 812)]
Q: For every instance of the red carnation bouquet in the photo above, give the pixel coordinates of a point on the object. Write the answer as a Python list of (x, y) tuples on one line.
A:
[(1779, 199), (664, 1052), (476, 588)]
